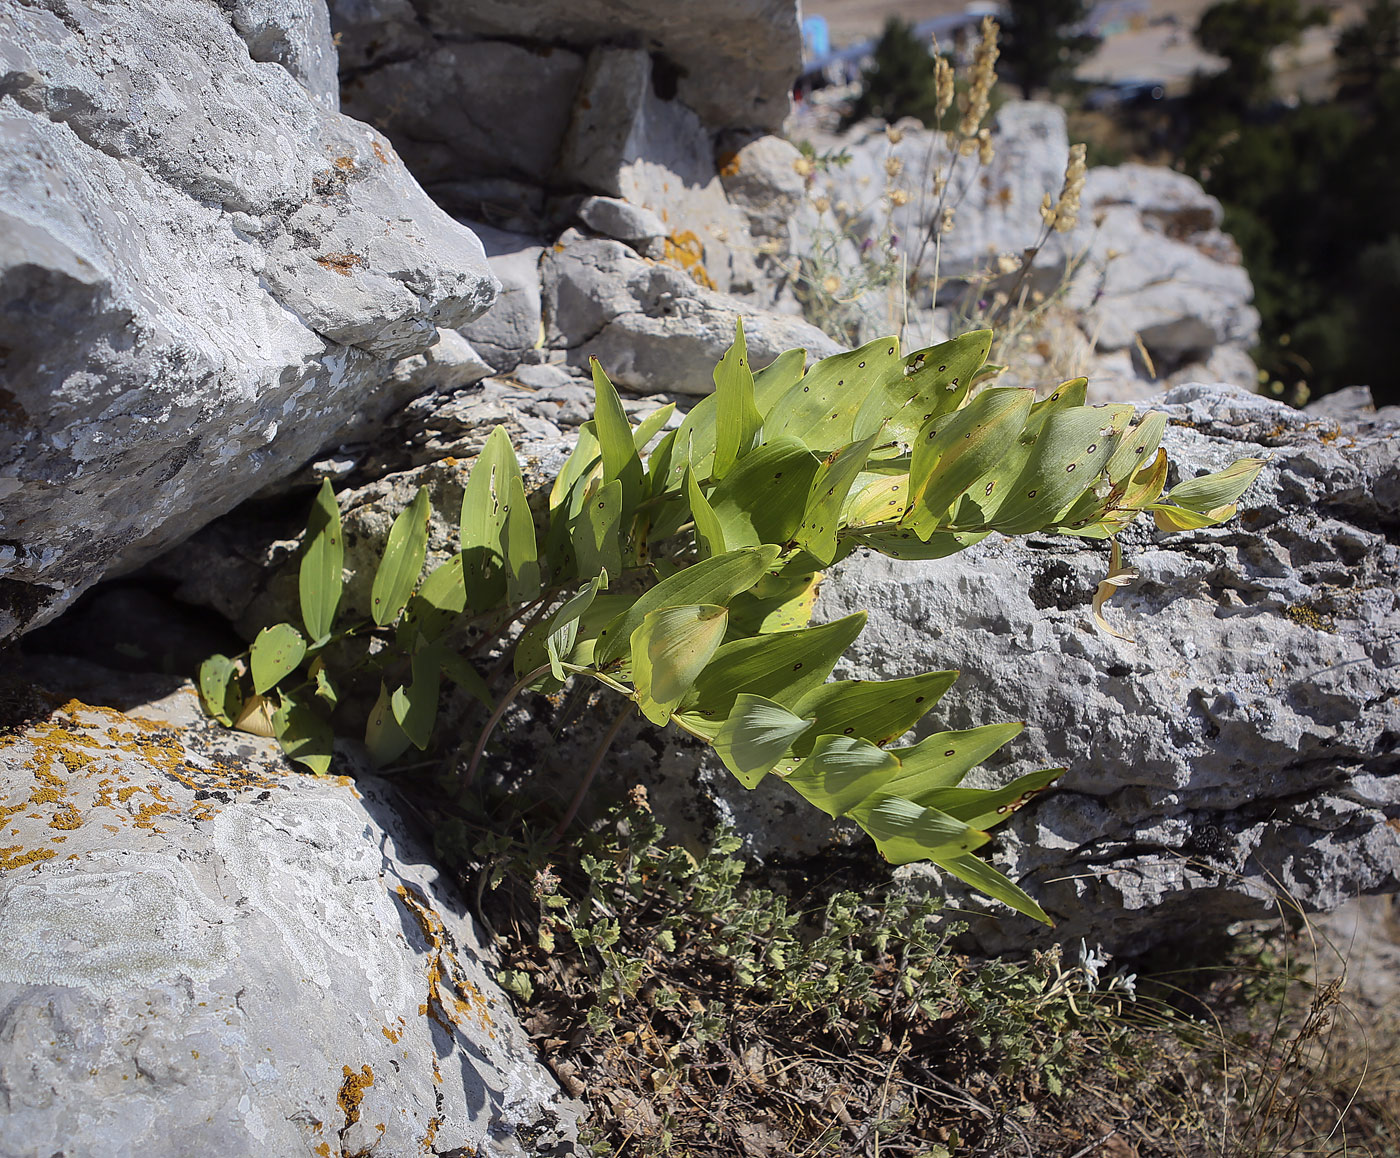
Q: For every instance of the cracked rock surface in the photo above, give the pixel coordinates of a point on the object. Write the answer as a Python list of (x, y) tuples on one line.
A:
[(206, 952), (204, 272), (1246, 745)]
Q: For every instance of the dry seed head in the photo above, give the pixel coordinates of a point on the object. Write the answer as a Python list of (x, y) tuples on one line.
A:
[(942, 85), (893, 167), (803, 167), (831, 284), (1063, 214), (985, 149), (1008, 263), (822, 204), (899, 197), (976, 101), (967, 146), (894, 135), (946, 225)]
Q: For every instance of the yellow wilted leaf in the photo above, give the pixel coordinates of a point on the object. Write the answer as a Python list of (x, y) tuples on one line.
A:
[(1118, 576)]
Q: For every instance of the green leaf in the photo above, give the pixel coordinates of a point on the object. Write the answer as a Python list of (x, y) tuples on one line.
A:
[(737, 419), (1209, 492), (694, 444), (304, 735), (1174, 518), (952, 452), (715, 580), (648, 427), (905, 832), (563, 626), (597, 531), (777, 378), (762, 499), (781, 600), (621, 462), (822, 515), (987, 807), (906, 544), (402, 563), (460, 671), (943, 759), (709, 533), (583, 460), (437, 603), (1065, 461), (321, 579), (876, 710), (983, 877), (1136, 446), (487, 502), (820, 410), (842, 771), (218, 687), (926, 384), (415, 707), (783, 666), (522, 553), (325, 690), (670, 648), (755, 736), (275, 653), (876, 499), (384, 738)]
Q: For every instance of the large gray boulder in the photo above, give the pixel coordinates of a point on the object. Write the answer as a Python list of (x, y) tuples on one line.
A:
[(732, 61), (206, 952), (204, 272), (1245, 746)]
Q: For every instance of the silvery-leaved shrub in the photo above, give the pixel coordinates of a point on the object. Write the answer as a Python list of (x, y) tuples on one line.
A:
[(682, 576)]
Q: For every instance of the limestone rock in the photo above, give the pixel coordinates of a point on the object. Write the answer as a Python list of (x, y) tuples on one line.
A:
[(1244, 744), (651, 326), (481, 108), (204, 273), (627, 141), (732, 61), (513, 326), (623, 221), (1147, 262), (208, 953)]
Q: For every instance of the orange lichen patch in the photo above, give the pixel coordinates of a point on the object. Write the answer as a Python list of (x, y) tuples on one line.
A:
[(16, 857), (323, 1149), (66, 816), (89, 764), (453, 999), (729, 163), (686, 251), (352, 1092), (378, 152), (434, 1125), (342, 263), (345, 164), (393, 1034)]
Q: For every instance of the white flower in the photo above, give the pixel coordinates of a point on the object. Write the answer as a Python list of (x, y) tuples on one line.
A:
[(1090, 962)]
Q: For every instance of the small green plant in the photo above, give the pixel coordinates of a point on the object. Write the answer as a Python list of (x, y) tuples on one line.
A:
[(683, 579)]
